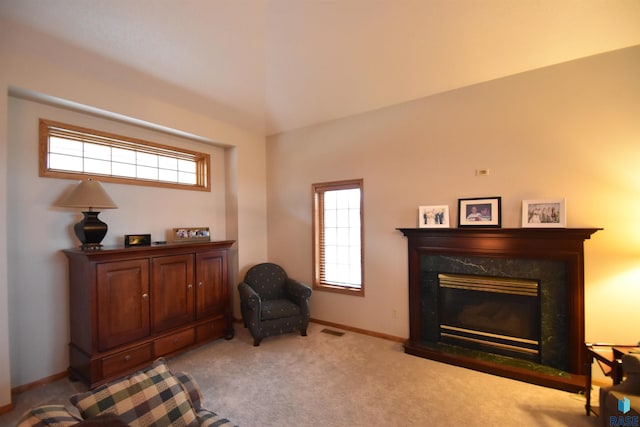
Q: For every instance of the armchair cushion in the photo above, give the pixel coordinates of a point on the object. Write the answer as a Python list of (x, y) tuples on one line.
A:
[(150, 397), (279, 308)]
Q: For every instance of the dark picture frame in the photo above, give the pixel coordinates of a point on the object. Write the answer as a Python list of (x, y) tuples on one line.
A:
[(480, 212), (137, 240)]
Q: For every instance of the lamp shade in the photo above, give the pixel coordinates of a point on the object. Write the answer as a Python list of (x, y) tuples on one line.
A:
[(88, 194)]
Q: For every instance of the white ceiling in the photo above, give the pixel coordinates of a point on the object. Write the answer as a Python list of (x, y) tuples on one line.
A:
[(277, 65)]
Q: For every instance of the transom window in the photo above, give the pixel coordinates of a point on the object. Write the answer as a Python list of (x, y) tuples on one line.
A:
[(68, 151), (338, 237)]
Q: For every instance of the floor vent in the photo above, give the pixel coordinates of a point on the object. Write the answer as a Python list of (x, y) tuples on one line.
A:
[(332, 332)]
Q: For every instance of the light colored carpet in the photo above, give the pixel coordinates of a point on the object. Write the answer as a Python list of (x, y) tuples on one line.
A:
[(352, 380)]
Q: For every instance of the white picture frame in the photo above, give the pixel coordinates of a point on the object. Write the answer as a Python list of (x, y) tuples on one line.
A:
[(544, 213), (433, 216)]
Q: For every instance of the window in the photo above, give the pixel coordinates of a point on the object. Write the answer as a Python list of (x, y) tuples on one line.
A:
[(68, 151), (338, 237)]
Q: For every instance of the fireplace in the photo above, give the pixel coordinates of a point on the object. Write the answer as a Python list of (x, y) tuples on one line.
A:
[(493, 314), (504, 301)]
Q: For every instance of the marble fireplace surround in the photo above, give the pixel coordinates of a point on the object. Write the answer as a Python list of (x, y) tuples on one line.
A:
[(555, 257)]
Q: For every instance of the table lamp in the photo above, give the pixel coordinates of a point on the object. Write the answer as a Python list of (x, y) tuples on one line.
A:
[(89, 194)]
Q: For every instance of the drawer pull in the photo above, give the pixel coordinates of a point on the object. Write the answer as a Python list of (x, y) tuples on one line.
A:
[(127, 358), (189, 286), (145, 296), (199, 284)]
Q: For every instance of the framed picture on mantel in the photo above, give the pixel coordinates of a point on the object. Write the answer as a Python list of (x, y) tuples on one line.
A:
[(550, 213), (480, 212), (433, 216)]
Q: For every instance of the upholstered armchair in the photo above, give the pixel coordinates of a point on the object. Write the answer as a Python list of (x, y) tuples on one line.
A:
[(272, 303), (613, 399)]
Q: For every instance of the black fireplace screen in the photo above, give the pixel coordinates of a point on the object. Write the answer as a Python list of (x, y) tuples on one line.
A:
[(552, 308), (495, 314)]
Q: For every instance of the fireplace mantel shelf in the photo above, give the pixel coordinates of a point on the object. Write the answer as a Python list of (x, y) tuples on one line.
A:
[(563, 245), (502, 232)]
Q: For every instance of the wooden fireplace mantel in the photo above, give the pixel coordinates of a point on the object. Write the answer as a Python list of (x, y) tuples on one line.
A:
[(566, 245)]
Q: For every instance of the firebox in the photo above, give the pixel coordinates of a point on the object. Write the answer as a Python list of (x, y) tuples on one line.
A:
[(493, 314)]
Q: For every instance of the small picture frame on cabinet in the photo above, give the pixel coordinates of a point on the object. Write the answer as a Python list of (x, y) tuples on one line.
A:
[(137, 240), (191, 234)]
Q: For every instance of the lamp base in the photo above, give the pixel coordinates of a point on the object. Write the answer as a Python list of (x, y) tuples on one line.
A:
[(90, 246), (90, 231)]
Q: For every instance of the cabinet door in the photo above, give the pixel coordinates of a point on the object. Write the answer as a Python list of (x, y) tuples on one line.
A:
[(212, 288), (122, 302), (172, 294)]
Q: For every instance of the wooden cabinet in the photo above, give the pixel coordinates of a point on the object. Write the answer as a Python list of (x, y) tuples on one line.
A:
[(211, 294), (122, 295), (129, 306), (172, 288)]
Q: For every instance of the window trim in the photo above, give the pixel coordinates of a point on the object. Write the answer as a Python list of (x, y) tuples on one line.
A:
[(49, 127), (318, 189)]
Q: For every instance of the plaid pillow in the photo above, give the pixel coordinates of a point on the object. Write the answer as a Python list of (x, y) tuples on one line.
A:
[(48, 415), (152, 397)]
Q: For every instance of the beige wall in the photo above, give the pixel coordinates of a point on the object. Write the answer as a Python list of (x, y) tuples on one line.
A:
[(35, 330), (571, 130)]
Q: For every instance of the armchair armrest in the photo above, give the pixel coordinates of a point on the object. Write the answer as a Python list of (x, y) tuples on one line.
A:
[(297, 289), (248, 296)]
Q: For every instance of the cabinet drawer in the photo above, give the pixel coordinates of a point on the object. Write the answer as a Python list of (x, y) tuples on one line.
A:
[(173, 342), (211, 330), (126, 360)]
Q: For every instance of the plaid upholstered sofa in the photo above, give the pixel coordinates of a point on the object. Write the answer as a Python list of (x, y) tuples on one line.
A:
[(151, 397)]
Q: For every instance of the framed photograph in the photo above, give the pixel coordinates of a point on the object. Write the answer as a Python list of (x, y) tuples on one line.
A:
[(433, 216), (191, 234), (550, 213), (480, 212), (137, 240)]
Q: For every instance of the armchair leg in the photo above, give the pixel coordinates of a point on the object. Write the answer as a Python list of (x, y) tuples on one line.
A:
[(303, 332), (256, 342)]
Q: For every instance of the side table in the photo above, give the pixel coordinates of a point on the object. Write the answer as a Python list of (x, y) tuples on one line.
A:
[(609, 358)]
